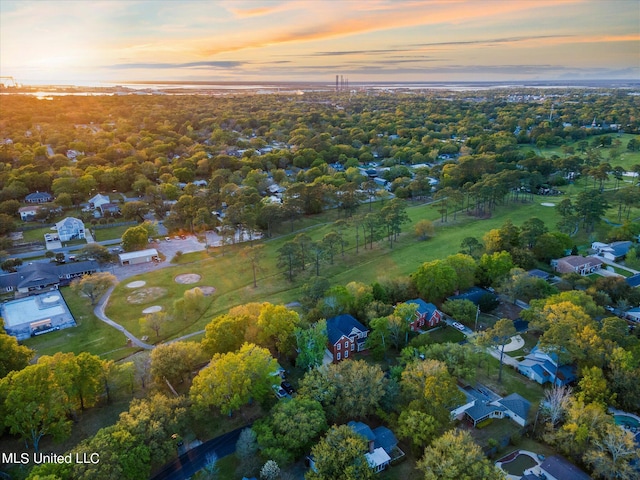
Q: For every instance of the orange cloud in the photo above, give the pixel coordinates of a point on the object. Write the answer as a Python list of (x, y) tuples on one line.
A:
[(357, 18)]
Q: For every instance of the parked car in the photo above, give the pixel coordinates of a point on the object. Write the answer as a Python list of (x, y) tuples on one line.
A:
[(286, 386), (280, 392), (459, 326)]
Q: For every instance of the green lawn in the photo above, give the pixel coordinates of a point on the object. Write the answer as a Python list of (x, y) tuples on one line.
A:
[(627, 159), (232, 278), (446, 335), (109, 233), (91, 335), (512, 381)]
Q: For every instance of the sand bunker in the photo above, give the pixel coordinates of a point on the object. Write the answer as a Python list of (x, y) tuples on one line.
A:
[(146, 295), (154, 309), (136, 284), (208, 291), (187, 278), (547, 204)]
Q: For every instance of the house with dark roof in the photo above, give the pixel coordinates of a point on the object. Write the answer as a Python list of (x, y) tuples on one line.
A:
[(482, 404), (38, 197), (474, 294), (427, 314), (382, 445), (556, 468), (38, 277), (613, 251), (633, 280), (542, 368), (346, 336), (577, 264)]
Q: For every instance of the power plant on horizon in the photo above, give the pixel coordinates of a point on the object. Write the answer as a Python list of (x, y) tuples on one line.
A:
[(342, 83)]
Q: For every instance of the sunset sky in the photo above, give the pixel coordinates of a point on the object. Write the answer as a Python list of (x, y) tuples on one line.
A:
[(83, 42)]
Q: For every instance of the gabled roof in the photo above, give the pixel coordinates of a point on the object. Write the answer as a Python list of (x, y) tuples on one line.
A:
[(362, 429), (517, 404), (578, 261), (620, 249), (39, 273), (424, 308), (342, 325), (560, 468), (633, 280), (69, 223), (38, 196), (385, 438), (474, 294), (480, 410), (99, 199)]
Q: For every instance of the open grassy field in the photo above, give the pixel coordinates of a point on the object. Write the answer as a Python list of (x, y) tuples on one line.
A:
[(91, 335), (627, 159), (231, 277)]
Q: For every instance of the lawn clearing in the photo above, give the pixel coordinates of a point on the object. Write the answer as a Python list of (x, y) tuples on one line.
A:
[(91, 335)]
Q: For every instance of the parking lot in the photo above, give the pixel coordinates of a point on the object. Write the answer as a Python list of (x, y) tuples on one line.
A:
[(168, 248)]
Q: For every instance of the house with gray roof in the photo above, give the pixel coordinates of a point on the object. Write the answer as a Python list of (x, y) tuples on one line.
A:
[(542, 368), (70, 228), (633, 280), (483, 404), (577, 264), (382, 445), (38, 277), (612, 251), (38, 197), (556, 468)]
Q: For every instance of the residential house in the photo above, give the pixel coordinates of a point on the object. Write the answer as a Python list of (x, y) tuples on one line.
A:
[(427, 314), (633, 314), (633, 280), (577, 264), (28, 214), (555, 468), (38, 277), (110, 208), (474, 295), (38, 197), (346, 336), (70, 228), (613, 251), (382, 445), (543, 368), (482, 404), (98, 200)]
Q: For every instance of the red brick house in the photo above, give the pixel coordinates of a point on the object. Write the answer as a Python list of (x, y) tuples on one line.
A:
[(346, 336), (427, 315)]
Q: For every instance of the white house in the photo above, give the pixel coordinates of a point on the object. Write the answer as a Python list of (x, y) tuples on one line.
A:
[(70, 228), (28, 213), (98, 200)]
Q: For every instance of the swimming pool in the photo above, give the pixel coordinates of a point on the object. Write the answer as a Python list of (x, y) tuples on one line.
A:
[(626, 420)]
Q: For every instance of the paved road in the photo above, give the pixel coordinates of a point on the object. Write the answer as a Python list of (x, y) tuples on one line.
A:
[(186, 465)]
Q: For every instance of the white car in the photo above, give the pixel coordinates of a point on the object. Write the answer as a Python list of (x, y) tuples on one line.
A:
[(279, 391), (459, 326)]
